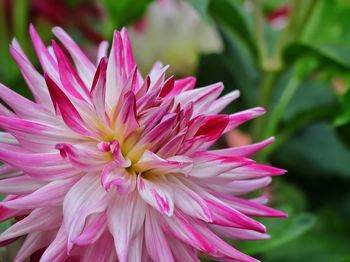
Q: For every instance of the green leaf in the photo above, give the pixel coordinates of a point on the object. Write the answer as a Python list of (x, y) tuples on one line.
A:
[(327, 241), (230, 13), (310, 94), (282, 231), (316, 150), (324, 247), (343, 117), (330, 55), (124, 12), (241, 66)]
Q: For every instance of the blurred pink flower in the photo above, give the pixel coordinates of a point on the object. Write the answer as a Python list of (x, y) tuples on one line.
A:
[(107, 165), (278, 18)]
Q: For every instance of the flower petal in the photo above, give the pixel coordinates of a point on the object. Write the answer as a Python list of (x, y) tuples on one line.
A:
[(35, 81), (57, 250), (84, 66), (19, 185), (125, 218), (34, 241), (41, 219), (182, 228), (86, 197), (98, 90), (175, 164), (156, 241), (67, 110), (94, 228), (155, 194), (53, 194), (123, 181), (243, 116), (70, 80)]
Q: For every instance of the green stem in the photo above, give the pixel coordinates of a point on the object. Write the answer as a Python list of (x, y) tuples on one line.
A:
[(281, 106), (266, 88), (259, 22), (303, 25), (267, 126)]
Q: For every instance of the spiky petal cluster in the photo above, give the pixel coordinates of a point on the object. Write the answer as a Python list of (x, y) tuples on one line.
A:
[(108, 166)]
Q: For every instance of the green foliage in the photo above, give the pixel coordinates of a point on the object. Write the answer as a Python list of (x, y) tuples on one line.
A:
[(318, 152), (282, 232), (229, 13), (328, 54), (344, 110), (124, 12)]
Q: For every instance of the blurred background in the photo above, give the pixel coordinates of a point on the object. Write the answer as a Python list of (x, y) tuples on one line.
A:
[(289, 56)]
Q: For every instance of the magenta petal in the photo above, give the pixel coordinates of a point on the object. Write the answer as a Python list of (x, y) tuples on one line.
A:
[(71, 81), (181, 228), (46, 59), (244, 116), (127, 119), (67, 110), (34, 80), (98, 90), (83, 64)]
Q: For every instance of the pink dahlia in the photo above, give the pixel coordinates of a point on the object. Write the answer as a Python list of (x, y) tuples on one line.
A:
[(109, 166)]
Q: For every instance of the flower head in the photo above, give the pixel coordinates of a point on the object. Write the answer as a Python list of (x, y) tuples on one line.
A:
[(106, 165)]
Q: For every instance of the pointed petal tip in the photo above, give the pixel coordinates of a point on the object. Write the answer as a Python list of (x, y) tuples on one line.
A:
[(57, 30), (31, 27), (259, 111)]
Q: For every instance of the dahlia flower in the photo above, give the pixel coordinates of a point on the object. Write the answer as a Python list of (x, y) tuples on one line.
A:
[(106, 165), (172, 31)]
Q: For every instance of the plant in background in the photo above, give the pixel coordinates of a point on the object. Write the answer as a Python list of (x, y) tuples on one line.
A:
[(106, 164), (172, 32)]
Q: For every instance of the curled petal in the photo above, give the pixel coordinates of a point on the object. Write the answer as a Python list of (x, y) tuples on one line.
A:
[(93, 230), (123, 181)]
